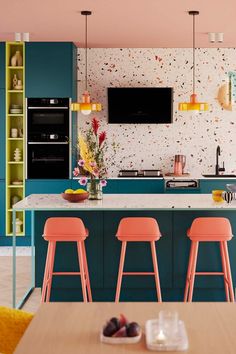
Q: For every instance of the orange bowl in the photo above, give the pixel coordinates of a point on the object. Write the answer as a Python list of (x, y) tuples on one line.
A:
[(75, 198)]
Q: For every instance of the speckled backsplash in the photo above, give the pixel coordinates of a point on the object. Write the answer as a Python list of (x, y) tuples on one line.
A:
[(153, 146)]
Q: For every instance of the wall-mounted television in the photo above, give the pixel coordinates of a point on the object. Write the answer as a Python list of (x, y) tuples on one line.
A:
[(146, 105)]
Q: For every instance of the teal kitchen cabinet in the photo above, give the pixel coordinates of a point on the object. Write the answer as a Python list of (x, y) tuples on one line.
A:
[(2, 134), (2, 65), (2, 208), (207, 185), (140, 186), (51, 69)]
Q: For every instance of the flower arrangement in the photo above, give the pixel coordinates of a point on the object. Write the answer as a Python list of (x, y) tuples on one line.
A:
[(91, 151)]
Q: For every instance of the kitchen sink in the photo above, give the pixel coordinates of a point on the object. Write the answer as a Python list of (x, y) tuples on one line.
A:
[(220, 176)]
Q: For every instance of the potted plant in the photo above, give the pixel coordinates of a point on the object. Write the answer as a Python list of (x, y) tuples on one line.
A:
[(91, 166)]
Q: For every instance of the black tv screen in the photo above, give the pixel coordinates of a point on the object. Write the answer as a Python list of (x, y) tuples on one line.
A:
[(146, 105)]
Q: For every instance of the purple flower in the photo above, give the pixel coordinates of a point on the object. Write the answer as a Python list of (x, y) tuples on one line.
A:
[(81, 163), (83, 181), (103, 183)]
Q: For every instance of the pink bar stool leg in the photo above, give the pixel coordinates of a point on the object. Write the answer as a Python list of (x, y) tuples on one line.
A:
[(121, 267), (45, 278), (224, 268), (87, 273), (52, 245), (193, 270), (188, 273), (155, 267), (230, 283), (82, 271)]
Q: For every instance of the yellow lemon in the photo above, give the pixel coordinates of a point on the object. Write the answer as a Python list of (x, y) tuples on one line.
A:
[(79, 191), (69, 191)]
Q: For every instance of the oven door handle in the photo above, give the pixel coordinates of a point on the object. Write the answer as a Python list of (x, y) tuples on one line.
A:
[(48, 108), (48, 143)]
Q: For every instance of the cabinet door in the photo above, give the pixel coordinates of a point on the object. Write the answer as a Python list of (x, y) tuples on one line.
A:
[(2, 65), (140, 186), (207, 186), (2, 208), (2, 134), (49, 69)]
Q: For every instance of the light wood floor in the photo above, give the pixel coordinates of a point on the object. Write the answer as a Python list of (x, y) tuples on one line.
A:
[(23, 266)]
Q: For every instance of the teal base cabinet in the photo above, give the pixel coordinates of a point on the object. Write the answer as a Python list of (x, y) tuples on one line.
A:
[(103, 250), (208, 185)]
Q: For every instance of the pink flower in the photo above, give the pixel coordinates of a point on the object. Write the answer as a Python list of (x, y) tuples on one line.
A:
[(93, 164), (83, 181), (103, 183), (76, 172), (81, 163)]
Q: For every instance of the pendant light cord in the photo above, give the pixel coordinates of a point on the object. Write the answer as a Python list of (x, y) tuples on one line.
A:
[(86, 52), (194, 53)]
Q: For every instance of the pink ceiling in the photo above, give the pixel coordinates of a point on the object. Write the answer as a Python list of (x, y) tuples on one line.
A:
[(120, 23)]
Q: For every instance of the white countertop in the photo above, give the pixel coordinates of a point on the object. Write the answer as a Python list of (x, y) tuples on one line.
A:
[(125, 202)]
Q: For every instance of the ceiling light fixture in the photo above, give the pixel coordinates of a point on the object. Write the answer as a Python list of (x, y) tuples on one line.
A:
[(193, 105), (86, 106)]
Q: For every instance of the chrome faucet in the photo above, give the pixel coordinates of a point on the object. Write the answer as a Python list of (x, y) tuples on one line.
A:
[(218, 168)]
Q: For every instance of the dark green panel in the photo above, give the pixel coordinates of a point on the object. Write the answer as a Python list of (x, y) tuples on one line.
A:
[(66, 254), (208, 185), (49, 69), (2, 65), (2, 208), (2, 134), (138, 254), (140, 186)]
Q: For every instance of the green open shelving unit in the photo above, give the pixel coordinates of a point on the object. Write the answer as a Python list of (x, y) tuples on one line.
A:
[(15, 170)]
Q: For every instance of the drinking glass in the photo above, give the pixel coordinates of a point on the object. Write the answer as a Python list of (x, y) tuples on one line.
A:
[(168, 322)]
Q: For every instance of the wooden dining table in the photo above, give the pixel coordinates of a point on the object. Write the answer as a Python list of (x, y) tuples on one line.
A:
[(74, 328)]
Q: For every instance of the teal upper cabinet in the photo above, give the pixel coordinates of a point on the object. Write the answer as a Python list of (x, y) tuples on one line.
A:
[(2, 65), (50, 69), (2, 134)]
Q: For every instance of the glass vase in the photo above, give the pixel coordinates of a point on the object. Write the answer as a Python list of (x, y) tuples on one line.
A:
[(95, 189)]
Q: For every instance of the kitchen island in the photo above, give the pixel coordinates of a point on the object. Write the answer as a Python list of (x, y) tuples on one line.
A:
[(174, 213)]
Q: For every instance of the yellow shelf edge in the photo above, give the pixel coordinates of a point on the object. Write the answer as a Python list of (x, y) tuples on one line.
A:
[(15, 91), (15, 186), (17, 139)]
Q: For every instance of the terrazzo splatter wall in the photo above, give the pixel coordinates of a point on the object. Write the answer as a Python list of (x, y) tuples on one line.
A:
[(153, 146)]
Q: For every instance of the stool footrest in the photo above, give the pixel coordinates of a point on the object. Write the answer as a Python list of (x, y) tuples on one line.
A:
[(66, 273), (138, 273), (209, 273)]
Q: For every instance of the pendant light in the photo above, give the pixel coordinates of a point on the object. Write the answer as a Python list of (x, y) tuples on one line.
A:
[(193, 105), (86, 106)]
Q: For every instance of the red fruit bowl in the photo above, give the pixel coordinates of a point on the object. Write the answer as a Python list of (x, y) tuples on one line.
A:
[(75, 198)]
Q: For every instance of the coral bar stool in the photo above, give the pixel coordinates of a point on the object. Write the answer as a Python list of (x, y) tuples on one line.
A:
[(209, 229), (138, 229), (65, 229)]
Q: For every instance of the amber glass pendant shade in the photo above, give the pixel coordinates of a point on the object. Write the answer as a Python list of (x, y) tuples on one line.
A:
[(193, 104), (86, 106)]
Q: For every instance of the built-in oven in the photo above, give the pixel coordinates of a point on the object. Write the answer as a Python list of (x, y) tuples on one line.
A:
[(48, 138)]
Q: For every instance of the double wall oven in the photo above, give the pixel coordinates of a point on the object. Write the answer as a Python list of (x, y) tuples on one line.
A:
[(48, 138)]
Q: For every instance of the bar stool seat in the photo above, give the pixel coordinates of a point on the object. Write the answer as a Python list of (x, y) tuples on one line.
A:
[(65, 229), (209, 229), (138, 229)]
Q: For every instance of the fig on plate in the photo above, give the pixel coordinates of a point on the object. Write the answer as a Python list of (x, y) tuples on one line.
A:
[(122, 332), (109, 329), (123, 320), (133, 329), (116, 322)]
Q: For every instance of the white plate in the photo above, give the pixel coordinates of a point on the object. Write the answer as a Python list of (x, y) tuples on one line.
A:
[(120, 340), (178, 343)]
